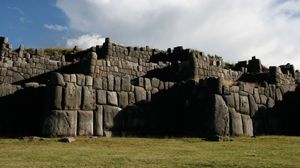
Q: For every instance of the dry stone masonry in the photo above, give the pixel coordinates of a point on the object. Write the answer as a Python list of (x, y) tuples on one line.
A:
[(114, 90)]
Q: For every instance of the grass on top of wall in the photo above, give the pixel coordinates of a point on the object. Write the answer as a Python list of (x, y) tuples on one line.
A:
[(262, 152)]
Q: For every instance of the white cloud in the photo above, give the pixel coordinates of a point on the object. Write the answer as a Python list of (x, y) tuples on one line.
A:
[(55, 27), (85, 41), (233, 29)]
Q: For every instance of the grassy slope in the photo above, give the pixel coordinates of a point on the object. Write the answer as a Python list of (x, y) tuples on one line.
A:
[(147, 152)]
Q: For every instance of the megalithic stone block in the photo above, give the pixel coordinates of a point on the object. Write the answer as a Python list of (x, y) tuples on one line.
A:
[(112, 98), (123, 99), (56, 98), (85, 123), (126, 84), (236, 123), (101, 97), (220, 116), (88, 98), (247, 125), (110, 120), (244, 105), (140, 94), (71, 97), (98, 121), (57, 79), (60, 123)]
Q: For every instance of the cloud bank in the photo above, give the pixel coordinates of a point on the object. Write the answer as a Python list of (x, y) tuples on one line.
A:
[(233, 29), (85, 41), (55, 27)]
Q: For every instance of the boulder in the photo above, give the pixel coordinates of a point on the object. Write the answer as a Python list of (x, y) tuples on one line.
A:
[(85, 123)]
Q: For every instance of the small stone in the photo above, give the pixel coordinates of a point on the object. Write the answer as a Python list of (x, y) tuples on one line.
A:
[(67, 139)]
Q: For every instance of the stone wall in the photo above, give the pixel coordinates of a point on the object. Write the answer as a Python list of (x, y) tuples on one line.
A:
[(18, 65), (116, 90), (247, 109), (82, 105)]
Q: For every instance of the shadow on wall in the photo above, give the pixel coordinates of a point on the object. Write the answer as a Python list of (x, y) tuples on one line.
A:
[(22, 112), (183, 110), (282, 119), (76, 68)]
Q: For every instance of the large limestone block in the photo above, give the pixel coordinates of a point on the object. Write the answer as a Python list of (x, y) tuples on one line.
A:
[(72, 97), (221, 116), (97, 83), (123, 99), (117, 83), (236, 123), (88, 98), (229, 100), (131, 98), (244, 105), (98, 121), (111, 81), (247, 125), (148, 84), (85, 123), (155, 82), (270, 103), (101, 97), (126, 83), (56, 98), (111, 117), (57, 79), (112, 98), (140, 94), (237, 101), (60, 123), (253, 105), (89, 81), (263, 99), (278, 94), (80, 79), (256, 96)]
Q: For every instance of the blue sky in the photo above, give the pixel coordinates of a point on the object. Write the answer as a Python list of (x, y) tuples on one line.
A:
[(23, 22), (233, 29)]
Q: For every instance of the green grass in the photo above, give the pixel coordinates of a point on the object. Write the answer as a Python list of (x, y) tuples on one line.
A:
[(269, 151)]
